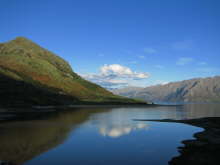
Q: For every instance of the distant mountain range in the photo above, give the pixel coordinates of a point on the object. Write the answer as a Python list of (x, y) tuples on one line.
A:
[(32, 75), (194, 90)]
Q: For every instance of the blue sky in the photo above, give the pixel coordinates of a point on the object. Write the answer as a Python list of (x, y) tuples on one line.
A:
[(122, 42)]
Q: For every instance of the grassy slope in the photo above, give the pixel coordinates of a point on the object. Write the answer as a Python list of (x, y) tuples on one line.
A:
[(23, 60)]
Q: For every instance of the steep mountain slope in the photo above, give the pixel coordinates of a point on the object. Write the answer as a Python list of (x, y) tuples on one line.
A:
[(194, 90), (31, 74)]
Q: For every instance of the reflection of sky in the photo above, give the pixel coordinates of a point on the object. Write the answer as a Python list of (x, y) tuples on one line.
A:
[(113, 137), (120, 130), (119, 122)]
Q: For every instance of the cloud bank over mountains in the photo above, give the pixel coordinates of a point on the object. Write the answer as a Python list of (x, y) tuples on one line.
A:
[(115, 75)]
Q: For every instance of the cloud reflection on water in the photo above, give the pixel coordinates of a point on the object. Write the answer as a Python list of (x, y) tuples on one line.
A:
[(121, 130)]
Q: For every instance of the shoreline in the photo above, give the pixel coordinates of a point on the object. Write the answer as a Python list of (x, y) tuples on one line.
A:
[(32, 112), (204, 149)]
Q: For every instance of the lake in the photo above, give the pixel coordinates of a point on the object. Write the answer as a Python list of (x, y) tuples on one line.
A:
[(97, 136)]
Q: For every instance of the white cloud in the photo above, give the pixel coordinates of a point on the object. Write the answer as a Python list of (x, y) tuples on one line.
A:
[(105, 81), (184, 61), (150, 50), (115, 75), (116, 70)]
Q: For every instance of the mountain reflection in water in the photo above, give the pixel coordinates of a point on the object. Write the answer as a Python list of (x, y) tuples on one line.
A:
[(22, 140)]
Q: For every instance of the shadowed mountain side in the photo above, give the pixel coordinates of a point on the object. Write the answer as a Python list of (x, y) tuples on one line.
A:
[(33, 67), (21, 141), (19, 93), (194, 90)]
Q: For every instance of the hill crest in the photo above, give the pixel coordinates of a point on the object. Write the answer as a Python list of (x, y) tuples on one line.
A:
[(23, 60)]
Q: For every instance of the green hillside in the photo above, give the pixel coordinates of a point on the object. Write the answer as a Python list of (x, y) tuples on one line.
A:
[(30, 74)]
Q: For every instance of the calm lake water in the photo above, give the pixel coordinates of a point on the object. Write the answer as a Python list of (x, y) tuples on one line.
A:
[(101, 136)]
